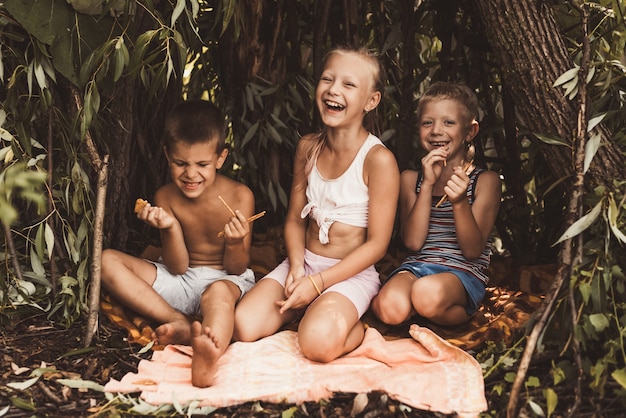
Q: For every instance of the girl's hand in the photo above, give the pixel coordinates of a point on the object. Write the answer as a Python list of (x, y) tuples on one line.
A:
[(432, 164), (156, 217), (294, 271), (237, 228), (456, 187), (301, 294)]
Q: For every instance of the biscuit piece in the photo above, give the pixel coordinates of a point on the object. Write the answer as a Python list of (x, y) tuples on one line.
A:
[(140, 204)]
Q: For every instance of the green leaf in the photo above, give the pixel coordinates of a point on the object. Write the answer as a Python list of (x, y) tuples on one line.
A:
[(250, 134), (532, 382), (599, 321), (289, 413), (591, 148), (81, 384), (4, 411), (8, 214), (593, 122), (146, 348), (551, 140), (581, 224), (35, 263), (49, 234), (228, 11), (613, 214), (23, 385), (77, 352), (536, 408), (566, 76), (24, 404), (620, 377), (178, 10)]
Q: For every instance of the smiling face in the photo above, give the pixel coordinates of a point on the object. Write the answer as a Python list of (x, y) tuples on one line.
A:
[(443, 123), (345, 91), (193, 167)]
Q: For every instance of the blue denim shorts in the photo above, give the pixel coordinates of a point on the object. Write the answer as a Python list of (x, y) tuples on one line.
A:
[(474, 288)]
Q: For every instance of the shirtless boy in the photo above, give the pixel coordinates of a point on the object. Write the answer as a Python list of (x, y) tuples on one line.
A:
[(199, 273)]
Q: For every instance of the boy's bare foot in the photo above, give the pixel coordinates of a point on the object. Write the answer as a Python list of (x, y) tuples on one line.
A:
[(206, 352), (175, 332)]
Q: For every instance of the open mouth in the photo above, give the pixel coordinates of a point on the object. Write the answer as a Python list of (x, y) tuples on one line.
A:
[(191, 185), (439, 144), (334, 105)]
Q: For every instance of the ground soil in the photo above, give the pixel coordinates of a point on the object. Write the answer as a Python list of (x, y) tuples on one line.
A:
[(34, 343)]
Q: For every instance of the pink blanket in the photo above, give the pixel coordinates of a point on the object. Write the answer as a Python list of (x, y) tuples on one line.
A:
[(426, 373)]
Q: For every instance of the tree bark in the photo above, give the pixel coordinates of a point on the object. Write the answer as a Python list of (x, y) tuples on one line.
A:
[(532, 54)]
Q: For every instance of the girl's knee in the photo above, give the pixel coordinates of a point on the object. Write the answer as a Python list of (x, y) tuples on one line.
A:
[(318, 349), (242, 331), (321, 341), (247, 328)]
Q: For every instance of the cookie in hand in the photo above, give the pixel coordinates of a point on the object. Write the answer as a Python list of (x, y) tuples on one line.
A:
[(140, 204)]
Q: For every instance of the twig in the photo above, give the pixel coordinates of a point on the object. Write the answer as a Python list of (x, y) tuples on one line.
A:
[(100, 165), (46, 390), (227, 207), (11, 247), (250, 219), (96, 264)]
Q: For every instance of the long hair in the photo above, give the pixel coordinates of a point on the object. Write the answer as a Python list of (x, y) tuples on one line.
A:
[(370, 119)]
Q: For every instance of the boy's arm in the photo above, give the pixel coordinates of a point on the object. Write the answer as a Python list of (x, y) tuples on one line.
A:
[(238, 233), (474, 223), (174, 252)]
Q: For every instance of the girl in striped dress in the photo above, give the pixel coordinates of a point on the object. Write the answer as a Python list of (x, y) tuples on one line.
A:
[(447, 213)]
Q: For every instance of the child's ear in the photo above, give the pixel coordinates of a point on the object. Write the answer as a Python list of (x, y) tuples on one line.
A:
[(222, 158), (373, 102), (167, 155), (472, 130)]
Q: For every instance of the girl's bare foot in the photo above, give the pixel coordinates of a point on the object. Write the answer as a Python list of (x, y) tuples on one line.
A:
[(206, 352), (175, 332)]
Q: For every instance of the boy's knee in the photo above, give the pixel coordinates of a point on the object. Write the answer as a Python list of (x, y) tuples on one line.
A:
[(109, 260), (221, 291), (427, 309), (392, 309)]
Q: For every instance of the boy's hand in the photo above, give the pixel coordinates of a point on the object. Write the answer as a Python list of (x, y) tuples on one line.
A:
[(456, 187), (432, 164), (237, 228), (156, 217)]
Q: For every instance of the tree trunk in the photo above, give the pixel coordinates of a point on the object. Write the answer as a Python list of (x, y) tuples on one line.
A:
[(532, 54)]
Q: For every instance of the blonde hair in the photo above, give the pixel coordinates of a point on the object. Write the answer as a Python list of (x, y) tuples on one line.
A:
[(370, 119), (461, 93)]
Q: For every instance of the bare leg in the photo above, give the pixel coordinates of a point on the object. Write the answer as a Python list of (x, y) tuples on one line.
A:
[(173, 332), (330, 328), (210, 340), (129, 280), (392, 304), (440, 298), (257, 314), (206, 352)]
